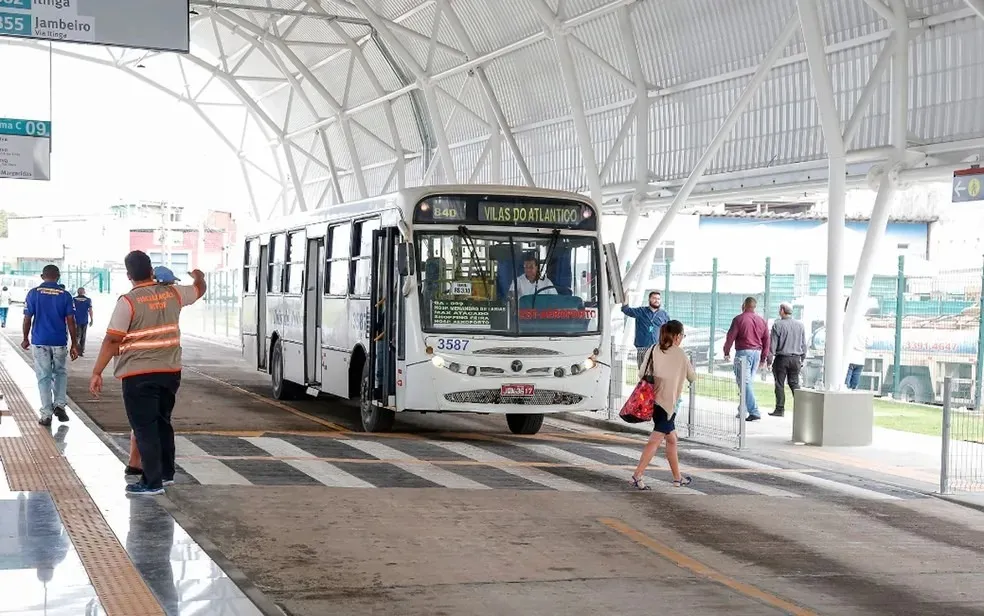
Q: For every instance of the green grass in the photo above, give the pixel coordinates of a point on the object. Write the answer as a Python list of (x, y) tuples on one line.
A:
[(915, 418)]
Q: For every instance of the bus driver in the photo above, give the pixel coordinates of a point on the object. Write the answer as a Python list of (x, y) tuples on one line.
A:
[(530, 281)]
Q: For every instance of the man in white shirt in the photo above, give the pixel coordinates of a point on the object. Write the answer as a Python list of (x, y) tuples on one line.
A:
[(530, 281), (4, 306), (857, 350)]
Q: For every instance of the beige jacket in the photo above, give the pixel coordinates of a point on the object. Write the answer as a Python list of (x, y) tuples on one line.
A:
[(670, 369)]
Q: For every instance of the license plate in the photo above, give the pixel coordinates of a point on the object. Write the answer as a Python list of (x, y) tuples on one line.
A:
[(517, 391)]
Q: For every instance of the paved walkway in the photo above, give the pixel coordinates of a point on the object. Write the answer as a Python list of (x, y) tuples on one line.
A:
[(905, 458), (71, 542)]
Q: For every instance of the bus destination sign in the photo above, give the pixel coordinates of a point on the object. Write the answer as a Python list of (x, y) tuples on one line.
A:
[(531, 214), (449, 210)]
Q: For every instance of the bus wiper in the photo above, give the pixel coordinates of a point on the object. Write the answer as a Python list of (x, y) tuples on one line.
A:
[(550, 250), (470, 243)]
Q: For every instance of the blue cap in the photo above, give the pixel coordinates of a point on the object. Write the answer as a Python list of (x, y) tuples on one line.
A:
[(164, 275)]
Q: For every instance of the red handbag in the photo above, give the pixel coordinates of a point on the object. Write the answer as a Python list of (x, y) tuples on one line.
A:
[(639, 406)]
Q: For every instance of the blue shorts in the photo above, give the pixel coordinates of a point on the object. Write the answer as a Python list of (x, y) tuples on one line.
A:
[(664, 423)]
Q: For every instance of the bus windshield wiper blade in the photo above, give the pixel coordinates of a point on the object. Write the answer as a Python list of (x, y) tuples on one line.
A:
[(470, 243)]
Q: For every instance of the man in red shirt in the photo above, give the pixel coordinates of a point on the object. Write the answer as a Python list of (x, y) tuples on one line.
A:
[(749, 333)]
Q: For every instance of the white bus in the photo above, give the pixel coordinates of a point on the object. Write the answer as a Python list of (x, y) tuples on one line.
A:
[(433, 277)]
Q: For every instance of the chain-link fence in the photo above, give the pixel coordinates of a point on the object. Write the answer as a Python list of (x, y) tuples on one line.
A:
[(217, 315), (710, 408), (921, 326)]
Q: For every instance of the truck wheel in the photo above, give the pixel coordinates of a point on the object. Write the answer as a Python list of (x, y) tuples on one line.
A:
[(282, 388), (374, 418), (524, 424), (915, 389)]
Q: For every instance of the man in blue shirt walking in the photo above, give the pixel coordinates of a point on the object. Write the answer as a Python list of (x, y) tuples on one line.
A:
[(46, 311), (648, 321), (83, 316)]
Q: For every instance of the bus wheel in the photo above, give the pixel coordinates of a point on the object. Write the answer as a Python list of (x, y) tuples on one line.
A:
[(374, 418), (282, 389), (524, 424), (914, 389)]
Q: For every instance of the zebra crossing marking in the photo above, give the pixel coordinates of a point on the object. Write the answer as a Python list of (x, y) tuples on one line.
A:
[(708, 475), (505, 464), (206, 471), (804, 478), (415, 466), (525, 459), (327, 474), (578, 460)]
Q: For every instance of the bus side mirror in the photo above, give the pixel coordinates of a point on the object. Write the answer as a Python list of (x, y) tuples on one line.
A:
[(404, 259), (614, 277)]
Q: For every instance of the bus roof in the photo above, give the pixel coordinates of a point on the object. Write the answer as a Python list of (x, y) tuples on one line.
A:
[(409, 195)]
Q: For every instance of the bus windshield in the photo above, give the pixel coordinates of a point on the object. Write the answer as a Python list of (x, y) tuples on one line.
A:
[(508, 284)]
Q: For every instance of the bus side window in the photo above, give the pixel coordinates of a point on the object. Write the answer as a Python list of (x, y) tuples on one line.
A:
[(251, 267), (275, 279), (362, 256), (340, 237), (294, 273)]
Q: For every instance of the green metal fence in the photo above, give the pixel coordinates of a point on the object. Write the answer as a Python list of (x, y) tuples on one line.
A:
[(922, 328)]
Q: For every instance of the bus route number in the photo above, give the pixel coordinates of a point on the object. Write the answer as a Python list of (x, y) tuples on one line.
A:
[(452, 344)]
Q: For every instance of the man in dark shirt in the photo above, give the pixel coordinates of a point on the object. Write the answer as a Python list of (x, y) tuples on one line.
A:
[(787, 351), (749, 334), (648, 321), (83, 316)]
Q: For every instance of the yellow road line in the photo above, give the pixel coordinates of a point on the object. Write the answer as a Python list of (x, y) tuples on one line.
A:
[(275, 403), (698, 568)]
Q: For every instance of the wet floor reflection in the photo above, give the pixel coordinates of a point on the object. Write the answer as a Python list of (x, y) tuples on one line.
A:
[(40, 572)]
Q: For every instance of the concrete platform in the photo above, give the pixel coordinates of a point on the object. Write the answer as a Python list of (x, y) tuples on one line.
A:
[(453, 515)]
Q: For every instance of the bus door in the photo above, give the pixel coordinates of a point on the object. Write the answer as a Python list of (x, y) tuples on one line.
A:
[(313, 281), (262, 351), (384, 300)]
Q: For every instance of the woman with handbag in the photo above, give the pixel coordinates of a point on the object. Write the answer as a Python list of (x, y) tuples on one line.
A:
[(668, 367)]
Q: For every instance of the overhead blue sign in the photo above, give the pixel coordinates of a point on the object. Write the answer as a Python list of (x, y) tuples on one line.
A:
[(968, 185), (147, 24), (24, 128), (25, 148)]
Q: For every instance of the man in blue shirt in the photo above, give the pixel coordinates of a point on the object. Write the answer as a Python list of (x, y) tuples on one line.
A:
[(46, 311), (648, 321), (83, 316)]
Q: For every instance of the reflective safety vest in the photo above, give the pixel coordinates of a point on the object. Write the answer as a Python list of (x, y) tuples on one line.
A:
[(153, 341)]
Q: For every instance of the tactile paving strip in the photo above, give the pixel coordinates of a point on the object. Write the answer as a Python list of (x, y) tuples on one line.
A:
[(121, 589), (22, 473)]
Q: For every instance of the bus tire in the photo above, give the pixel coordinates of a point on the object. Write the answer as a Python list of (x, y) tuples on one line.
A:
[(914, 389), (374, 418), (282, 388), (524, 423)]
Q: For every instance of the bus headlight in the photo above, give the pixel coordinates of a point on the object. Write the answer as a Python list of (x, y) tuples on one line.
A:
[(438, 361), (576, 369), (558, 372), (472, 370), (588, 364), (454, 367)]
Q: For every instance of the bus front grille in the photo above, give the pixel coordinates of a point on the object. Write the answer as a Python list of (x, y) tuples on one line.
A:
[(492, 396), (528, 351)]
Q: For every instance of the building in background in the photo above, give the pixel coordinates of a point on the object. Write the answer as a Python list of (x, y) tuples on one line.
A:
[(86, 242)]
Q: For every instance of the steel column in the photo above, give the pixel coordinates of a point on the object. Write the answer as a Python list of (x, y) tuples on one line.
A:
[(866, 264), (645, 259), (886, 190), (837, 163)]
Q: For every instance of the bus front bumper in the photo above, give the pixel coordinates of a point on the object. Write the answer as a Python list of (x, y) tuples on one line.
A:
[(587, 391)]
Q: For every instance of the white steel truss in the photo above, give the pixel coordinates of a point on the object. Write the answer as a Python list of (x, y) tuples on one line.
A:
[(329, 100)]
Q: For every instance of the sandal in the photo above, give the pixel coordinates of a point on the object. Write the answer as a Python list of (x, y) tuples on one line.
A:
[(683, 481), (638, 484)]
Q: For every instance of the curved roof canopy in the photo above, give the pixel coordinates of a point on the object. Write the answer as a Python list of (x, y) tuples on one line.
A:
[(328, 100)]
